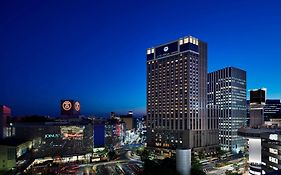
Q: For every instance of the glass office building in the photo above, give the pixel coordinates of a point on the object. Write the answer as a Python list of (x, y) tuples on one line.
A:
[(227, 90), (272, 109)]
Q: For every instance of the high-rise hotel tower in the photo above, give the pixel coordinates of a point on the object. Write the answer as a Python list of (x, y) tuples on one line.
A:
[(177, 115)]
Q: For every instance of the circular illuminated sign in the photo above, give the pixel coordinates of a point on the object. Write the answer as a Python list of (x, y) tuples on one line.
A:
[(66, 105), (166, 49), (77, 106)]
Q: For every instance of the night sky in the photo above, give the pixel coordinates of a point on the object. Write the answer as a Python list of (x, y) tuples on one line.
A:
[(95, 51)]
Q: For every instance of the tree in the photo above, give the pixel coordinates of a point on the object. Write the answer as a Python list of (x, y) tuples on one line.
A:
[(145, 154), (201, 155), (163, 167), (111, 154), (231, 173), (220, 152), (196, 167)]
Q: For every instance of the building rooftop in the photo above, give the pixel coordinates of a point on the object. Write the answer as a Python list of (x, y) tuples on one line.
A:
[(256, 132), (54, 123)]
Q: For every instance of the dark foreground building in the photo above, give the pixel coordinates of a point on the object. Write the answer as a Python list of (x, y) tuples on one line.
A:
[(177, 114)]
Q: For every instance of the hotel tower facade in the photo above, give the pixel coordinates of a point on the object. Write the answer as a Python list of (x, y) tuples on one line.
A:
[(177, 114)]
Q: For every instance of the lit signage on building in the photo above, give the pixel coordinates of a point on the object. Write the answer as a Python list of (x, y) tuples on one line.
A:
[(66, 105), (166, 50), (273, 137), (70, 107), (77, 106), (72, 132), (47, 136)]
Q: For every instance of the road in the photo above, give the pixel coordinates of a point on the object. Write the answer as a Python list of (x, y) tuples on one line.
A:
[(126, 164), (221, 170)]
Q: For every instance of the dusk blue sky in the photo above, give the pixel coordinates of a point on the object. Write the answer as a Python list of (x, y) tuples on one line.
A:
[(95, 51)]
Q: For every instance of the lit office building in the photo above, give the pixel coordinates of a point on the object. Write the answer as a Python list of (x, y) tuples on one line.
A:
[(115, 132), (271, 151), (177, 96), (264, 149), (272, 109), (227, 90), (129, 120), (5, 129)]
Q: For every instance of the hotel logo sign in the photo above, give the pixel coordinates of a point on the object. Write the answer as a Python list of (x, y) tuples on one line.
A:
[(167, 49)]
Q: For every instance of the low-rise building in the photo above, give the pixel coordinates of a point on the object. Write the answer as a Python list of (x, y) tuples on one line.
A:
[(264, 146), (11, 150)]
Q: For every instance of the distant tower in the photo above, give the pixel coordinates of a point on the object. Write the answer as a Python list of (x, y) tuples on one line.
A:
[(257, 103), (5, 113)]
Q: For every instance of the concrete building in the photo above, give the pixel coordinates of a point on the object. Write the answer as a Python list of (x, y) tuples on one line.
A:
[(11, 150), (5, 129), (58, 138), (271, 151), (128, 119), (257, 103), (227, 90), (115, 132), (177, 95), (264, 149)]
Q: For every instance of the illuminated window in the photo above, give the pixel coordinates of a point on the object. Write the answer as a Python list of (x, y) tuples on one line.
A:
[(273, 151), (273, 159), (181, 42)]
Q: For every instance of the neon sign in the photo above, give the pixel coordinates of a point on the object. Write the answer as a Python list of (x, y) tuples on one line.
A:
[(47, 136), (66, 105), (77, 106)]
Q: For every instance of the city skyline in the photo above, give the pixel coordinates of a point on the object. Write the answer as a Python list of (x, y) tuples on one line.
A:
[(74, 54)]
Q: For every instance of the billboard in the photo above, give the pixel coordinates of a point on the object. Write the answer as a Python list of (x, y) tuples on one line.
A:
[(166, 50), (70, 107), (72, 132)]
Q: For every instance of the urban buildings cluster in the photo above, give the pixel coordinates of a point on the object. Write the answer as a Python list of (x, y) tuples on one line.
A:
[(263, 133), (189, 112), (67, 138), (189, 108)]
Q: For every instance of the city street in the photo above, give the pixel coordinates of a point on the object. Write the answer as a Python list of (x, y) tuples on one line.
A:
[(210, 168), (126, 163)]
